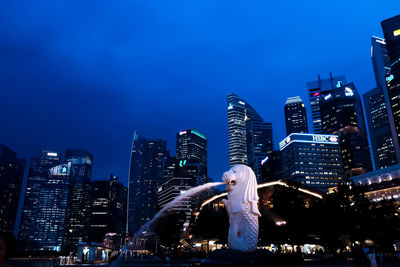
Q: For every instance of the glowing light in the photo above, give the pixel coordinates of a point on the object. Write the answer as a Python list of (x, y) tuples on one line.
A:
[(182, 132), (328, 96), (389, 78), (230, 107), (183, 192), (278, 182), (333, 139), (52, 154), (242, 103), (396, 32), (199, 134), (288, 139), (348, 91), (182, 163), (280, 223), (264, 160), (339, 84), (316, 94)]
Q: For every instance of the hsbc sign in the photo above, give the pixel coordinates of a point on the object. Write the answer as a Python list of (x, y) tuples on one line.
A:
[(308, 138), (325, 138)]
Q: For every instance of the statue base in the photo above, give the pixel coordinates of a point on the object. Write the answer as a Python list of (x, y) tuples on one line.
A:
[(223, 257)]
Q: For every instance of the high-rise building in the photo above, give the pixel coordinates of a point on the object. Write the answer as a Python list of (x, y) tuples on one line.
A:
[(77, 221), (238, 113), (45, 207), (99, 218), (146, 174), (381, 127), (41, 199), (11, 175), (316, 90), (191, 146), (381, 141), (312, 159), (391, 31), (341, 114), (118, 203), (108, 199), (295, 116), (259, 145)]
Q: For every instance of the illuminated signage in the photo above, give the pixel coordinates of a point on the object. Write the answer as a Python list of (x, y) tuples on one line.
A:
[(316, 94), (264, 160), (348, 91), (308, 138), (339, 84), (182, 132), (64, 170), (182, 163), (52, 154), (396, 32), (324, 138), (389, 78)]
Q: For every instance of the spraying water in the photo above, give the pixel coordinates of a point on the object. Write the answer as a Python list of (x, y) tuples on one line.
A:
[(191, 192)]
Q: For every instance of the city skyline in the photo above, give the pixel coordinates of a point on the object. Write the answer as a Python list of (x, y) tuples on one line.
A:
[(45, 70)]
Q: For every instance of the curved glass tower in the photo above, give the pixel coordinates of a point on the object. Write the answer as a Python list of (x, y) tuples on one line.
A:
[(239, 111)]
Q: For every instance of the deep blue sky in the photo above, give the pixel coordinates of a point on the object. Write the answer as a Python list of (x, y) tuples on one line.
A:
[(86, 74)]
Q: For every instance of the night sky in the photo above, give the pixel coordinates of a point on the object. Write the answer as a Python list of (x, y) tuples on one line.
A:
[(86, 74)]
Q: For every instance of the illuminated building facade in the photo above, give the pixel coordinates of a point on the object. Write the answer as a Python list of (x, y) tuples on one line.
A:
[(107, 208), (77, 221), (316, 90), (312, 159), (118, 202), (381, 127), (259, 145), (238, 113), (381, 184), (191, 148), (146, 174), (31, 223), (391, 31), (295, 116), (11, 175), (381, 141), (341, 114), (99, 219), (45, 206)]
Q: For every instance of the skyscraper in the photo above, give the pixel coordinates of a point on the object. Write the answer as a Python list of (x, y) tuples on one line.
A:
[(77, 220), (99, 217), (391, 31), (146, 174), (259, 145), (37, 200), (238, 113), (191, 146), (11, 174), (382, 131), (341, 114), (45, 207), (312, 159), (295, 116), (118, 202), (318, 88), (381, 141)]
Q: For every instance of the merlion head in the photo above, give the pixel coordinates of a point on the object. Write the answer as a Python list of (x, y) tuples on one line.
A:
[(242, 188)]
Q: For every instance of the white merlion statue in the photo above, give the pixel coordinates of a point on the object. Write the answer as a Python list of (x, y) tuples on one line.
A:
[(242, 208)]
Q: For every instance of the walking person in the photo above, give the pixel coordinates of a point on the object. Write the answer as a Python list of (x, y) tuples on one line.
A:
[(372, 258)]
